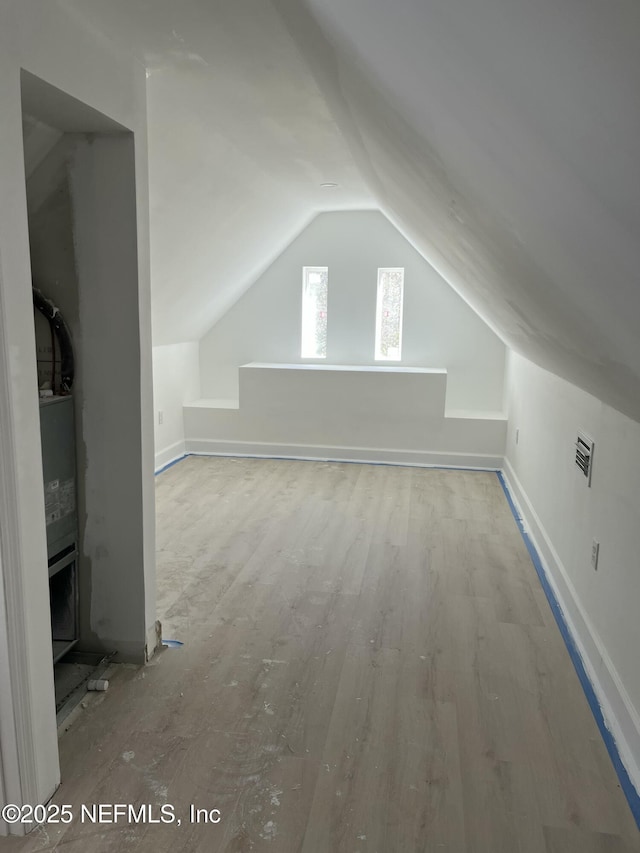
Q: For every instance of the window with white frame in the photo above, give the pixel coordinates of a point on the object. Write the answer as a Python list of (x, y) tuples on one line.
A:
[(315, 282), (389, 314)]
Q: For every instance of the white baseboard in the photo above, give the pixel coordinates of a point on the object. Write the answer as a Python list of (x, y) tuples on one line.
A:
[(169, 454), (329, 453), (617, 709)]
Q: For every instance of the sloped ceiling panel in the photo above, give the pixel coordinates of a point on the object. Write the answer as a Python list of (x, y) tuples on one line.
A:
[(240, 139), (502, 139), (500, 136)]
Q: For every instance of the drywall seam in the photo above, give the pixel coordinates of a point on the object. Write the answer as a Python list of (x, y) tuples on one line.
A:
[(611, 706), (169, 454), (332, 453)]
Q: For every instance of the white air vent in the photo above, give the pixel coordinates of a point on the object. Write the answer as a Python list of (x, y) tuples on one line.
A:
[(584, 455)]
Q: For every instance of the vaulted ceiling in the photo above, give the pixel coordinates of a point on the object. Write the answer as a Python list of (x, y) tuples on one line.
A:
[(500, 136), (240, 139)]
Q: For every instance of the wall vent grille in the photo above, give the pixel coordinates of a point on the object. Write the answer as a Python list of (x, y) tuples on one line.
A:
[(584, 455)]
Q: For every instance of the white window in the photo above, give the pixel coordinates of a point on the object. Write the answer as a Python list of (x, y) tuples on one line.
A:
[(389, 314), (314, 312)]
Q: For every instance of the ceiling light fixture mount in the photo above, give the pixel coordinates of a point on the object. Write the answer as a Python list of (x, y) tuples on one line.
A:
[(328, 185)]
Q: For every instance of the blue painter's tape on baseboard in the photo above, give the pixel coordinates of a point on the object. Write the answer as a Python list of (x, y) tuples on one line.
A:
[(337, 460), (328, 459), (629, 789), (171, 464)]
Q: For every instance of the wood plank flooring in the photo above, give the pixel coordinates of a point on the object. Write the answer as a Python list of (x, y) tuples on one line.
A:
[(369, 666)]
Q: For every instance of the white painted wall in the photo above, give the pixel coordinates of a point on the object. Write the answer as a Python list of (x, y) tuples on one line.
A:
[(565, 516), (440, 330), (56, 47), (502, 139), (176, 381), (365, 414), (111, 376), (101, 174)]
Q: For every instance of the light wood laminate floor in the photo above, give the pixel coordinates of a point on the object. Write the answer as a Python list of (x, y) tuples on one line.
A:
[(369, 666)]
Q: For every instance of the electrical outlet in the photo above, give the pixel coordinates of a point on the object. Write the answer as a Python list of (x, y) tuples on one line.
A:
[(595, 553), (160, 418), (517, 436)]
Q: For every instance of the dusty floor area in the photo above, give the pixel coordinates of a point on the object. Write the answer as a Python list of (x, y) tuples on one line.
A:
[(369, 666)]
